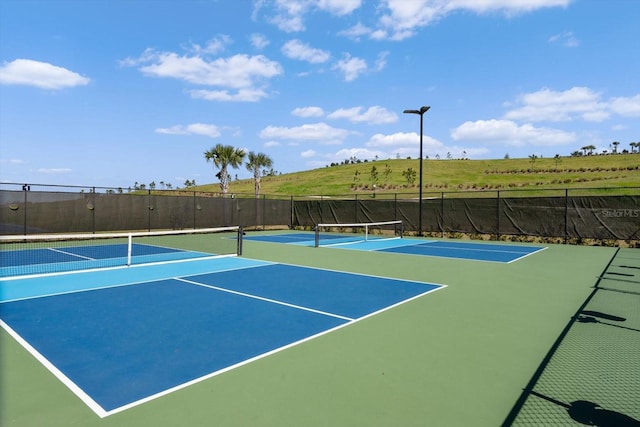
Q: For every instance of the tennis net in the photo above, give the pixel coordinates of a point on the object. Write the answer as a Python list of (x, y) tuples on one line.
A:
[(50, 253), (344, 234)]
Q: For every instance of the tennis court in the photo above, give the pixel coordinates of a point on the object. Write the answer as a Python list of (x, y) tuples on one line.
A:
[(291, 334), (491, 252), (40, 254)]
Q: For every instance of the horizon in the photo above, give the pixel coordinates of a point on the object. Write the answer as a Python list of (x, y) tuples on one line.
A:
[(110, 94)]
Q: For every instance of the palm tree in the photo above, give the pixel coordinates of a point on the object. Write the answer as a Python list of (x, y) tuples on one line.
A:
[(254, 164), (223, 156), (615, 146)]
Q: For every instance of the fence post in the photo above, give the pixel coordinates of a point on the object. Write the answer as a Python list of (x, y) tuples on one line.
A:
[(442, 213), (93, 211), (566, 215), (291, 211), (25, 189), (264, 211), (498, 215), (149, 210), (395, 206), (355, 210)]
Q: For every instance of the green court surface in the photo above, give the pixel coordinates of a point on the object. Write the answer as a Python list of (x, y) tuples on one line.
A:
[(502, 344)]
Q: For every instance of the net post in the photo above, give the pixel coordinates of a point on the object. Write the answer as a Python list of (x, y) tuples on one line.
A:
[(240, 240), (317, 235), (366, 232), (129, 248)]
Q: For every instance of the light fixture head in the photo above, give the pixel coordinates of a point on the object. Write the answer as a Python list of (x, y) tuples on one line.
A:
[(421, 111)]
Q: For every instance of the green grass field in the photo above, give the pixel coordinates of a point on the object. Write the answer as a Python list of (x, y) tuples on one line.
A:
[(612, 171)]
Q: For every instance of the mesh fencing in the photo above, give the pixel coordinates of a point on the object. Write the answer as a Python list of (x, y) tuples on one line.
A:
[(32, 212), (568, 214), (569, 217)]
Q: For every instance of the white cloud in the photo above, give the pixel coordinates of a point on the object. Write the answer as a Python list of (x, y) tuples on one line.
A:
[(238, 71), (627, 107), (203, 129), (403, 18), (308, 153), (318, 132), (288, 15), (373, 115), (43, 75), (308, 112), (575, 103), (351, 67), (398, 19), (54, 171), (295, 49), (339, 7), (11, 161), (508, 7), (549, 105), (242, 95), (381, 61), (399, 140), (358, 153), (566, 39), (241, 73), (212, 47), (356, 31), (271, 144), (259, 41), (509, 133)]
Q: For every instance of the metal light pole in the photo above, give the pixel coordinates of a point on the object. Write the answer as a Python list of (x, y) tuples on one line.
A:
[(420, 112)]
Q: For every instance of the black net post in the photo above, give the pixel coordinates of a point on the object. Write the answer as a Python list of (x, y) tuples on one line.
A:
[(239, 247)]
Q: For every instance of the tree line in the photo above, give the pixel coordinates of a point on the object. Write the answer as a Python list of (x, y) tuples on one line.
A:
[(224, 157), (588, 150)]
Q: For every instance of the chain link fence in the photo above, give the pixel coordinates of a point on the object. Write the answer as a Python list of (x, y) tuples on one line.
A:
[(569, 214)]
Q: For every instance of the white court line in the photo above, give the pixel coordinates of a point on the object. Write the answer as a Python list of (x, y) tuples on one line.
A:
[(70, 253), (487, 248), (92, 404), (526, 255), (263, 355), (102, 413), (273, 301)]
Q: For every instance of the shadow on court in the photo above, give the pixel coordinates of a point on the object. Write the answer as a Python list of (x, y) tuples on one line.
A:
[(591, 374), (592, 414)]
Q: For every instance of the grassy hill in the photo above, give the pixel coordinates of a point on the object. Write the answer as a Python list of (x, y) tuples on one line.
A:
[(608, 171)]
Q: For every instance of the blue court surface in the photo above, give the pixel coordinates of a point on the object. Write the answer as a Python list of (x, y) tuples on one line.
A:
[(303, 239), (473, 251), (70, 258), (119, 338)]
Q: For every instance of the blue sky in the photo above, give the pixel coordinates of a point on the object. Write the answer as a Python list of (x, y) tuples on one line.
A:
[(109, 93)]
